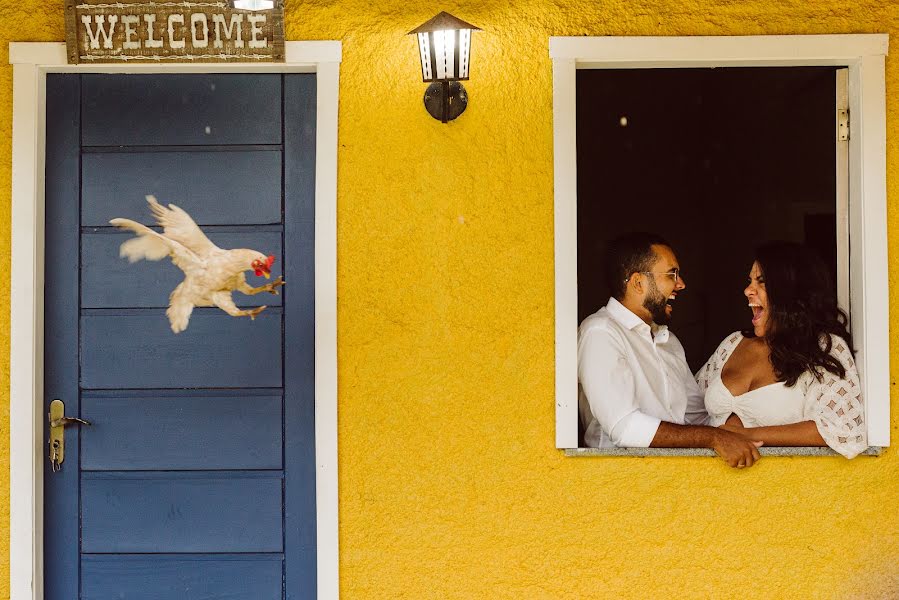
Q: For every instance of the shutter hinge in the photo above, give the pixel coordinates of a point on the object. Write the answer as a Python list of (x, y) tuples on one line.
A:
[(842, 125)]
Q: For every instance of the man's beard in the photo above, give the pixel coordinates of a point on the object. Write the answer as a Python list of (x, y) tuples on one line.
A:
[(656, 303)]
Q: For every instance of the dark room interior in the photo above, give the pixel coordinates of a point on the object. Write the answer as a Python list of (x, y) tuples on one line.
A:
[(717, 161)]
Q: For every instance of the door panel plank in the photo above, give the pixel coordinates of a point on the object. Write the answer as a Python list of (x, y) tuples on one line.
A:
[(165, 512), (215, 188), (217, 350), (241, 431), (181, 109), (109, 281), (148, 577), (61, 332)]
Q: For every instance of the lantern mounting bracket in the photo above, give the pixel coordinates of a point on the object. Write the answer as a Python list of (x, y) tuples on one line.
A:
[(446, 100)]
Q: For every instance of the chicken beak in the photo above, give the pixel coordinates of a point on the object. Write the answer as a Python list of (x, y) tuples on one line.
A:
[(267, 274)]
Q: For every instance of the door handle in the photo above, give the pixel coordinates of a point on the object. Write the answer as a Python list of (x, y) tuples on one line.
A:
[(58, 421)]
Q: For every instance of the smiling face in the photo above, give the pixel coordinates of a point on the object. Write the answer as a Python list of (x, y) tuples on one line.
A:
[(757, 296), (662, 286)]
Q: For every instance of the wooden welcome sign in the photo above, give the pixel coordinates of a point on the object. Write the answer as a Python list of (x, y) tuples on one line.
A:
[(144, 31)]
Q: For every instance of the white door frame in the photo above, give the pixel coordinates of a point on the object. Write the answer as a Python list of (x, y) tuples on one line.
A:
[(864, 56), (31, 63)]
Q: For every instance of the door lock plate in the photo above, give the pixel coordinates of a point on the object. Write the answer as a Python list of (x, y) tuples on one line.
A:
[(58, 420)]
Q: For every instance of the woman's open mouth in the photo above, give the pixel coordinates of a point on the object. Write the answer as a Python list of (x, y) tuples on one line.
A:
[(757, 311)]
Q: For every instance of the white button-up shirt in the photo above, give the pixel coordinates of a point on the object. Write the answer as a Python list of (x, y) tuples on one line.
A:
[(631, 377)]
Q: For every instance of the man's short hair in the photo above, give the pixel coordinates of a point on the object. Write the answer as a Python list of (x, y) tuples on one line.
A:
[(627, 254)]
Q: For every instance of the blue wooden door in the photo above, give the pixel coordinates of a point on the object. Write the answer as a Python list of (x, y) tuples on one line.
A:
[(197, 478)]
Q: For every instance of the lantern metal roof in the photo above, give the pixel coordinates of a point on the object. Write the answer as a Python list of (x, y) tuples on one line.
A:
[(443, 22)]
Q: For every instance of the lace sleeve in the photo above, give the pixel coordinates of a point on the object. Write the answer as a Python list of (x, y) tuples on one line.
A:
[(837, 407), (705, 375)]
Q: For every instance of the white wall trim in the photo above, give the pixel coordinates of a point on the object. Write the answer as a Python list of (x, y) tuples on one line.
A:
[(784, 50), (565, 222), (32, 62), (864, 56), (326, 499), (297, 55)]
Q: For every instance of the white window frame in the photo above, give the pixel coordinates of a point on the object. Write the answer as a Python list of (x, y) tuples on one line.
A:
[(31, 64), (864, 56)]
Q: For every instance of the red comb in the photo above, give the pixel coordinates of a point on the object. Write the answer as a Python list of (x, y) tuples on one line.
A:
[(269, 261)]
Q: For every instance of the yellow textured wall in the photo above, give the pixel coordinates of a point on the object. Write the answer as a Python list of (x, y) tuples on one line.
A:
[(450, 486)]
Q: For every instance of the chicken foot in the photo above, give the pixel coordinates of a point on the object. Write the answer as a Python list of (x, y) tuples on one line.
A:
[(224, 301), (271, 288)]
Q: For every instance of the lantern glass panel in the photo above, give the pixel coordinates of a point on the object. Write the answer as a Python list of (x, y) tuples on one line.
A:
[(424, 48), (464, 52), (445, 47)]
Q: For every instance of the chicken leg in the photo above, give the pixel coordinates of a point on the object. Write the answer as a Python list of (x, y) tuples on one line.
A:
[(224, 301), (271, 288)]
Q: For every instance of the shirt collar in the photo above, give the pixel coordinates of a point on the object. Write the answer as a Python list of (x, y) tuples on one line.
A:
[(629, 320)]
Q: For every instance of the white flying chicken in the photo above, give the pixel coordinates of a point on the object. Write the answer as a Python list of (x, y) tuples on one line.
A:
[(210, 273)]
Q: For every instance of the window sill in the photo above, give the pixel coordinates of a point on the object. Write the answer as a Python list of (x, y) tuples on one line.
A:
[(771, 451)]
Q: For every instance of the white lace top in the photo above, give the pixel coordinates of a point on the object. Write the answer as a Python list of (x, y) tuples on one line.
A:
[(834, 404)]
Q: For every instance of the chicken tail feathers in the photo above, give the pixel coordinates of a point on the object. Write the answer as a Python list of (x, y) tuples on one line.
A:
[(147, 245)]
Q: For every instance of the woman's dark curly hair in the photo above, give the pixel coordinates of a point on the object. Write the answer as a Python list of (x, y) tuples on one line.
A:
[(802, 312)]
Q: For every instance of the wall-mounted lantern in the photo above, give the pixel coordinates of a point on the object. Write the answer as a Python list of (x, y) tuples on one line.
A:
[(444, 43)]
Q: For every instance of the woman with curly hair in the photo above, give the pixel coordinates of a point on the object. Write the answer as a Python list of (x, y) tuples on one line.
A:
[(790, 379)]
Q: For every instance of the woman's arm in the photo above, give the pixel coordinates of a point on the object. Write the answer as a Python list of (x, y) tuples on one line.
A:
[(836, 405), (795, 434)]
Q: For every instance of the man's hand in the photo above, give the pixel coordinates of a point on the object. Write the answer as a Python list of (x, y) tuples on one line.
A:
[(736, 450)]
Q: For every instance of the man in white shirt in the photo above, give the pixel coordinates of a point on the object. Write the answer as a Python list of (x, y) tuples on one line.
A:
[(635, 388)]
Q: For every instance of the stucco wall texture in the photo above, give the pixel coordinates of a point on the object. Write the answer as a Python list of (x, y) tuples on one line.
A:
[(450, 485)]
